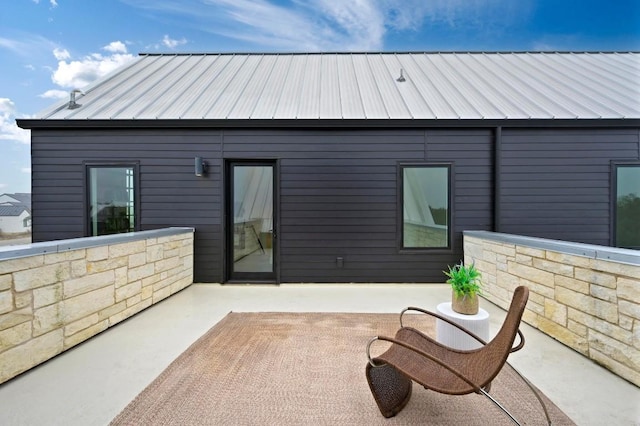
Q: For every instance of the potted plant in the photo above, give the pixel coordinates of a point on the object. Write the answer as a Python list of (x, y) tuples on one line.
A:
[(466, 286)]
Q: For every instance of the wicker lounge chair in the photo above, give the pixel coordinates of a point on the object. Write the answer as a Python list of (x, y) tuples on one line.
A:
[(418, 357)]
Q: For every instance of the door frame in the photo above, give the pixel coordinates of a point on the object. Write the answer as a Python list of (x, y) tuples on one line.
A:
[(230, 276)]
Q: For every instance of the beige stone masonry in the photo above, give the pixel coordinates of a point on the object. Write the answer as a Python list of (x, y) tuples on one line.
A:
[(53, 301), (585, 296)]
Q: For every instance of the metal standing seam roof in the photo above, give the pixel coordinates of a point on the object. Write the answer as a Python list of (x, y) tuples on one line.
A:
[(364, 86)]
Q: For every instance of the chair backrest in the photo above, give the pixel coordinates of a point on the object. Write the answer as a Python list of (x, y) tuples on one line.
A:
[(493, 356)]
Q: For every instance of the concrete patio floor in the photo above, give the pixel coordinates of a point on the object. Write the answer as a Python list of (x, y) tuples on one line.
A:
[(91, 383)]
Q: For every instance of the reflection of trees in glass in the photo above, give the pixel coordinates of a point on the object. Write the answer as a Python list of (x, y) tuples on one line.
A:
[(439, 215), (628, 221)]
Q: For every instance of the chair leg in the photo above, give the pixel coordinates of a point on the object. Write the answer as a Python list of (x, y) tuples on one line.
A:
[(390, 388)]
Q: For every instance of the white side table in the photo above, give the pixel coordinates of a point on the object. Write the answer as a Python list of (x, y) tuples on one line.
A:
[(451, 336)]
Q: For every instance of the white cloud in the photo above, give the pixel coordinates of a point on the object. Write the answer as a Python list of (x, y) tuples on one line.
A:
[(78, 73), (61, 54), (333, 24), (54, 94), (53, 3), (9, 130), (26, 170), (116, 47), (171, 43)]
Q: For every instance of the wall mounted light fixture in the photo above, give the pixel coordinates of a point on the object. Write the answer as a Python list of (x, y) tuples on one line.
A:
[(200, 167)]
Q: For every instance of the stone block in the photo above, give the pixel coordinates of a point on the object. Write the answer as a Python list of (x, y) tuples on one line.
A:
[(31, 353), (105, 313), (83, 323), (618, 351), (134, 300), (21, 264), (13, 318), (568, 259), (524, 260), (85, 334), (539, 289), (629, 289), (505, 249), (65, 256), (48, 295), (126, 249), (76, 286), (78, 268), (555, 311), (572, 284), (87, 303), (97, 253), (629, 308), (531, 274), (6, 301), (6, 282), (48, 318), (594, 277), (615, 268), (23, 299), (577, 328), (154, 253), (147, 292), (167, 264), (604, 293), (621, 370), (14, 336), (128, 290), (625, 322), (553, 267), (40, 276), (530, 251), (593, 323), (137, 259), (130, 311), (587, 304), (150, 280), (141, 272), (121, 276), (107, 264), (564, 335), (636, 334)]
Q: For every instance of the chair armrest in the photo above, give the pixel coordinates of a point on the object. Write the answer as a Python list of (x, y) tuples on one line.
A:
[(419, 351), (520, 344), (445, 319)]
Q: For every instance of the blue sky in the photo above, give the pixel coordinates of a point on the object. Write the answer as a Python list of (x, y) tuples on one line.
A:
[(49, 47)]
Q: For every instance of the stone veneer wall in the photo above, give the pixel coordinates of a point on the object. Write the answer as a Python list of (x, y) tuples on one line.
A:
[(585, 296), (54, 295)]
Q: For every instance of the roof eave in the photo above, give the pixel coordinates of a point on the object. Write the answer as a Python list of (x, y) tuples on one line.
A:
[(324, 123)]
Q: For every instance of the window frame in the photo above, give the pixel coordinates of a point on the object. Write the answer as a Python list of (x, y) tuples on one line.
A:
[(88, 165), (400, 204), (615, 165)]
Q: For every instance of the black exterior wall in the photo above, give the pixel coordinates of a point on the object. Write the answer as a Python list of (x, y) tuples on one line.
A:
[(338, 192)]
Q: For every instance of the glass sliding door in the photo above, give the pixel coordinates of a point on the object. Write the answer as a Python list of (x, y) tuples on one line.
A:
[(250, 221)]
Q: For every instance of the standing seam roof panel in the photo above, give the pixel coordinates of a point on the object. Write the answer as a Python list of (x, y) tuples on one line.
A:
[(253, 90), (413, 100), (289, 100), (309, 106), (267, 103), (330, 99), (350, 96)]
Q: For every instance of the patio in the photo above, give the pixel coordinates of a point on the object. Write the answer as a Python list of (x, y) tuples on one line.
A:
[(91, 383)]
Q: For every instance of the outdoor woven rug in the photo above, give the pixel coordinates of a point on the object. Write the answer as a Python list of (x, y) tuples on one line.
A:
[(303, 369)]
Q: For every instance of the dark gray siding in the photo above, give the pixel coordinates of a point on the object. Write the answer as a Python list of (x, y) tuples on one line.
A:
[(339, 198), (338, 192), (556, 183), (170, 194)]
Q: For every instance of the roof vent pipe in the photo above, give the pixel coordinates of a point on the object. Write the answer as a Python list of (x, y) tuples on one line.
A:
[(401, 78), (72, 99)]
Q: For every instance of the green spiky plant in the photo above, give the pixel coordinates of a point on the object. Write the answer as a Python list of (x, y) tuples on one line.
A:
[(464, 280)]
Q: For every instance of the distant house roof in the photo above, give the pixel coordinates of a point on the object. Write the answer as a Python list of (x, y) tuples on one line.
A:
[(363, 86), (17, 199), (12, 210)]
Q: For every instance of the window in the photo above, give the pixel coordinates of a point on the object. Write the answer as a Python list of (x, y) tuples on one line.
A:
[(425, 206), (111, 192), (627, 205)]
